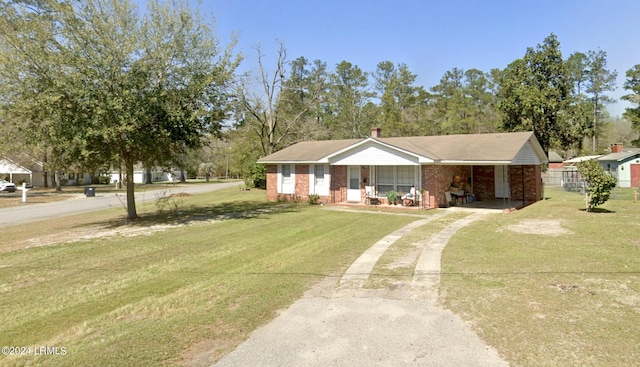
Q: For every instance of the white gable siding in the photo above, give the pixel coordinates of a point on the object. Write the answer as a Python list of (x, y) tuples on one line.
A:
[(374, 154), (526, 155)]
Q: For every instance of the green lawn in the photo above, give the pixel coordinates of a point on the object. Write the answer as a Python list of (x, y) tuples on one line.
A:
[(545, 299), (186, 294), (206, 275)]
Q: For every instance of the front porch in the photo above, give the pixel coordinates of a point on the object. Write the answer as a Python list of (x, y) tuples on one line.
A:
[(504, 186), (499, 205)]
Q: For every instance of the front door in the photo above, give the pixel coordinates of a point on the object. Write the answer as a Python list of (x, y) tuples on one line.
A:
[(353, 186), (635, 175), (502, 182)]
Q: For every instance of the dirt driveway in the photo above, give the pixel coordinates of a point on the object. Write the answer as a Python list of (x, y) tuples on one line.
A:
[(340, 323)]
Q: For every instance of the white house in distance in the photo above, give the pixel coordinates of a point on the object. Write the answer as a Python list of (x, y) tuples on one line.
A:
[(18, 173), (623, 164), (157, 175)]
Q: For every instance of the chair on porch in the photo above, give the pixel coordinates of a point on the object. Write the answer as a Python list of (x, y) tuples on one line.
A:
[(410, 198), (453, 197), (370, 196)]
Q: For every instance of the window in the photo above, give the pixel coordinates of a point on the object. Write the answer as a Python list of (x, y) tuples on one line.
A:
[(396, 178), (319, 174), (354, 177), (404, 178), (286, 174), (385, 179), (286, 179)]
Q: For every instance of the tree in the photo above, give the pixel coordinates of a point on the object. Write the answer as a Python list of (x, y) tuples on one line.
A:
[(303, 101), (398, 98), (620, 130), (598, 81), (632, 84), (465, 102), (286, 105), (31, 76), (107, 83), (258, 109), (535, 94), (349, 94), (599, 183)]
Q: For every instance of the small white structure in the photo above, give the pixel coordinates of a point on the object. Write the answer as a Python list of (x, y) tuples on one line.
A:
[(14, 170), (157, 175)]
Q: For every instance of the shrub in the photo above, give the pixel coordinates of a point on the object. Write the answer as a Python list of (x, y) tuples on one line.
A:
[(599, 183), (314, 199), (392, 196)]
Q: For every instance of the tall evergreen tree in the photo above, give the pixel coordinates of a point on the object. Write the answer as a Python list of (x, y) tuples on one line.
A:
[(599, 80), (398, 98), (349, 94), (632, 84), (535, 94)]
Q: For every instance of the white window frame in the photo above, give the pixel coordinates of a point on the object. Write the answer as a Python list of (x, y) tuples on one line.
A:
[(286, 185), (394, 184), (319, 186)]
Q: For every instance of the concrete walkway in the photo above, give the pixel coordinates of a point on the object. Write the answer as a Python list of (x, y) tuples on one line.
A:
[(344, 324)]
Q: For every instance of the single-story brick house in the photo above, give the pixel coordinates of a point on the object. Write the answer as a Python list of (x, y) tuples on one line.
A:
[(500, 165)]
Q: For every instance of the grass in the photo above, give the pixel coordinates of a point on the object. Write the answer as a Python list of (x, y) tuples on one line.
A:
[(187, 294), (570, 299), (396, 266)]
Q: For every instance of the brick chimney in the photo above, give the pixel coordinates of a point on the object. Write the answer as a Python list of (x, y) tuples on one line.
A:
[(616, 148), (376, 132)]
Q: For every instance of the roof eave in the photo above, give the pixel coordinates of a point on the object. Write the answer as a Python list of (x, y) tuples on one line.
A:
[(322, 161), (474, 162)]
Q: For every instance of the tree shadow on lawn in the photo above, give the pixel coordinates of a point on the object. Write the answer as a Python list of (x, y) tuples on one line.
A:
[(598, 211), (193, 214)]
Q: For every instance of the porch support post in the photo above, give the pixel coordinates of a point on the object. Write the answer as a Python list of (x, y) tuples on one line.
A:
[(523, 186), (332, 184)]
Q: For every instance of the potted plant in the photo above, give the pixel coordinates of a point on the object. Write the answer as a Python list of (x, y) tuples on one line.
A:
[(392, 196)]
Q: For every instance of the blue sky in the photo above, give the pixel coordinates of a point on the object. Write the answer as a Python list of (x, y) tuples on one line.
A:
[(431, 37)]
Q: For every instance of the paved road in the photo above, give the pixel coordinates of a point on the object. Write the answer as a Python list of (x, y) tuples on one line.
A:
[(81, 204), (343, 324)]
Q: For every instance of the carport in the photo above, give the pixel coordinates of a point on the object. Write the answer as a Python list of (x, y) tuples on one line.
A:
[(12, 170)]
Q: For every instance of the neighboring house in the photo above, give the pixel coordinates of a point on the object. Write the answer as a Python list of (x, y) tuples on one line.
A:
[(503, 165), (623, 165), (555, 171), (157, 175), (566, 175), (555, 160), (30, 172)]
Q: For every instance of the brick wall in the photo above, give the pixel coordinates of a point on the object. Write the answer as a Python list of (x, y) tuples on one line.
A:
[(272, 182), (302, 182), (339, 183), (484, 182), (484, 186), (531, 191), (437, 180)]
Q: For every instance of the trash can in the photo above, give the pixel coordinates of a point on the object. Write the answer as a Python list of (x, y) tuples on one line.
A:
[(90, 191)]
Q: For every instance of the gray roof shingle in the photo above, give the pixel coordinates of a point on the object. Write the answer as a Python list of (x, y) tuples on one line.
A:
[(462, 147)]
